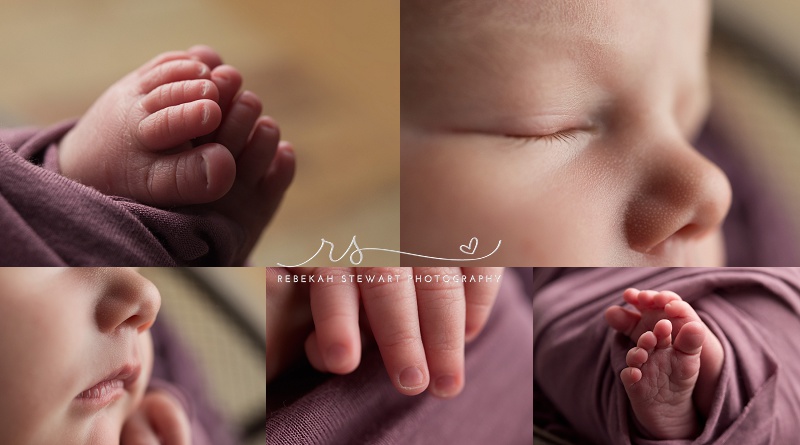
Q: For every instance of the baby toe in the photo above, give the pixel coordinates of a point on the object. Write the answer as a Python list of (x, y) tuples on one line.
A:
[(279, 176), (178, 124), (680, 309), (647, 341), (691, 338), (281, 171), (206, 54), (235, 129), (629, 376), (663, 298), (181, 92), (255, 159), (161, 59), (228, 80), (631, 295), (647, 299), (622, 320), (196, 176), (173, 71), (663, 333), (636, 357)]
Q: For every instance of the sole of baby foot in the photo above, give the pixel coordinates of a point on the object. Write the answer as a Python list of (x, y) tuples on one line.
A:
[(660, 379)]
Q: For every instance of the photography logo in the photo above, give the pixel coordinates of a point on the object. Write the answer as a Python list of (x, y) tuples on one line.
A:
[(355, 253)]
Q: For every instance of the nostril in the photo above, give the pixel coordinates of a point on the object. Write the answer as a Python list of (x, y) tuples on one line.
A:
[(128, 300), (679, 195), (690, 231)]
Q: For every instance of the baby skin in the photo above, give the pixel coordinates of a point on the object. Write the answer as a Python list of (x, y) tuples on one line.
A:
[(176, 132), (673, 370), (420, 328)]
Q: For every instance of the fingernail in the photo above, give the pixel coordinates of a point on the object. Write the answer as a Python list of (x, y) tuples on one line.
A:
[(336, 358), (445, 385), (411, 378)]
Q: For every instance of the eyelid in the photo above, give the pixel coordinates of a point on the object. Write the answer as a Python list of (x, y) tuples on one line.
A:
[(555, 129), (566, 135)]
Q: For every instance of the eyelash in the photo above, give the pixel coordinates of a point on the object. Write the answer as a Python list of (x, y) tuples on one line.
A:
[(559, 136)]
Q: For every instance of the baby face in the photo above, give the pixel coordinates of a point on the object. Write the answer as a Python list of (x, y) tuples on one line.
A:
[(76, 353), (563, 129)]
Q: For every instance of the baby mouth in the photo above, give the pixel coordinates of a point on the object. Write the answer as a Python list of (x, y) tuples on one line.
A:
[(102, 389), (111, 387)]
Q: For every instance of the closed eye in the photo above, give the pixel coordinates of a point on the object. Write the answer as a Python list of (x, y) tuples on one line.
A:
[(559, 136)]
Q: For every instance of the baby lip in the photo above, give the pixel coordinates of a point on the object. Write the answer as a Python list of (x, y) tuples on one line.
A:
[(123, 377)]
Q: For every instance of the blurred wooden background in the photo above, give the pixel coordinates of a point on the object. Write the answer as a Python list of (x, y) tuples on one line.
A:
[(327, 71)]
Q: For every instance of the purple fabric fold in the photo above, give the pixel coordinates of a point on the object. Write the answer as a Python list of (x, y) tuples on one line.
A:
[(363, 407), (577, 358), (50, 220)]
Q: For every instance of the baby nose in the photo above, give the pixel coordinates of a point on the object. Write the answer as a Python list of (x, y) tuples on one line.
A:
[(128, 299), (680, 194)]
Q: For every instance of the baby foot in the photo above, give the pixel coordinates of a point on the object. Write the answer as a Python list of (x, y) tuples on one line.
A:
[(264, 163), (137, 139), (652, 307), (661, 377)]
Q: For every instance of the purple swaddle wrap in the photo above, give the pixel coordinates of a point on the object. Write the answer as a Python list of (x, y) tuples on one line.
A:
[(364, 408), (50, 220), (577, 358)]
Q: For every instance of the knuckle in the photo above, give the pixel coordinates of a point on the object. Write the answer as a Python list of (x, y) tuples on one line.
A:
[(330, 315), (382, 286), (445, 342), (338, 277), (403, 339)]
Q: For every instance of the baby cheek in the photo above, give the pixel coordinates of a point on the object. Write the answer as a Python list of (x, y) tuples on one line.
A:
[(146, 357), (578, 216)]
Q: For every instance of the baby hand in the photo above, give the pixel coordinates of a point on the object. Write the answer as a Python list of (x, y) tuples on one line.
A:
[(159, 420), (420, 327)]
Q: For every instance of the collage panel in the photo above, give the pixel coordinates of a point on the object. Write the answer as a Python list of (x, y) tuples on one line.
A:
[(678, 355), (422, 355), (201, 133), (110, 356), (548, 133)]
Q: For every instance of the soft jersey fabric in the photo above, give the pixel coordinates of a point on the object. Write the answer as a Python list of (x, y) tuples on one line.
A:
[(495, 407), (50, 220), (577, 358)]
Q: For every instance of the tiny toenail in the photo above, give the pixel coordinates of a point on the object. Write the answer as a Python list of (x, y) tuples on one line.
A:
[(445, 385), (336, 356), (206, 169), (206, 115), (206, 87), (411, 378)]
